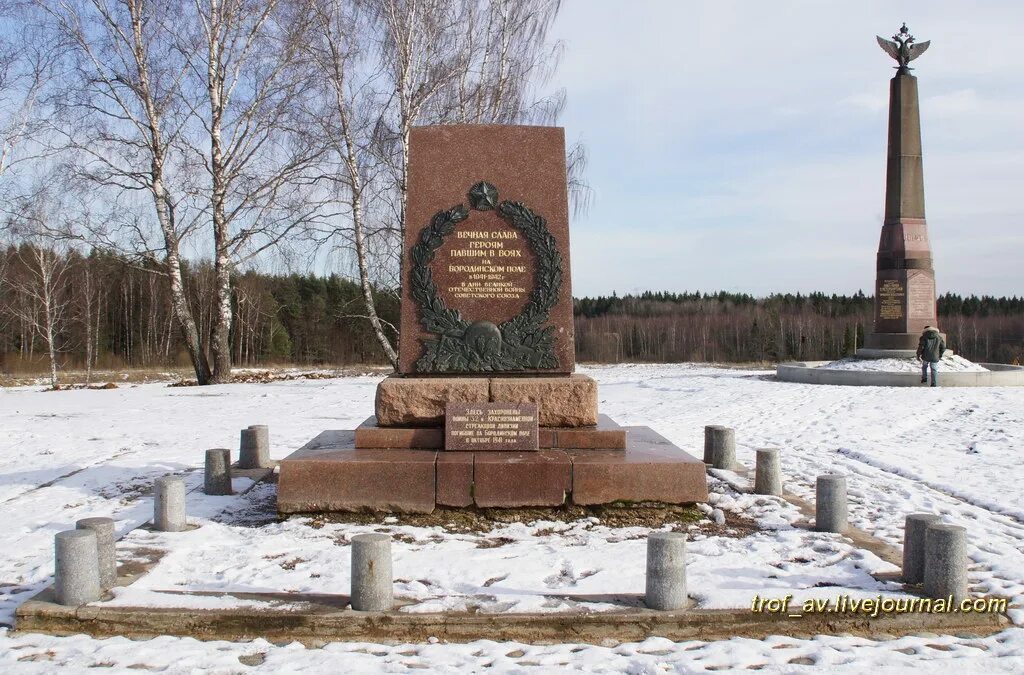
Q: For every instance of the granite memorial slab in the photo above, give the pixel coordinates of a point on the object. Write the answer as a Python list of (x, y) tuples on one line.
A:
[(485, 265)]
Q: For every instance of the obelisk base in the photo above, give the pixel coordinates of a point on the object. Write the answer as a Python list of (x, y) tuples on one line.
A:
[(891, 346), (890, 341)]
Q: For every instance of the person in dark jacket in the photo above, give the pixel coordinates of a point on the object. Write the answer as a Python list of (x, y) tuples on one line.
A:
[(930, 349)]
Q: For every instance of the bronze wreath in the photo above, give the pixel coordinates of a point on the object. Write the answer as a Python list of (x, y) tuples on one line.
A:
[(521, 343)]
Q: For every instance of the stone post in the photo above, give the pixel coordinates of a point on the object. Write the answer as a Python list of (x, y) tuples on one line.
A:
[(666, 571), (830, 503), (372, 583), (768, 472), (104, 529), (720, 447), (945, 561), (77, 567), (254, 448), (217, 480), (913, 545), (169, 504), (710, 432)]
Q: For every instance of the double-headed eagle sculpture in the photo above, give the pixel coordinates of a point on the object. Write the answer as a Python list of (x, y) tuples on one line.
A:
[(903, 48)]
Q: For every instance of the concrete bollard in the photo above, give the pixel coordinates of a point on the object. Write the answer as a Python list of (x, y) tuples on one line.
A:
[(217, 480), (768, 472), (720, 447), (104, 529), (77, 567), (913, 545), (945, 561), (666, 571), (169, 504), (710, 434), (830, 503), (254, 448), (372, 583)]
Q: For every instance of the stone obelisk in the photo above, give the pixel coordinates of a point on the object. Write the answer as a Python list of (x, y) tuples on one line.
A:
[(905, 280)]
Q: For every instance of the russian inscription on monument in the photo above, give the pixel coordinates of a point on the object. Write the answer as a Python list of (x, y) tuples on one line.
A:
[(491, 426), (921, 296), (485, 270), (891, 297)]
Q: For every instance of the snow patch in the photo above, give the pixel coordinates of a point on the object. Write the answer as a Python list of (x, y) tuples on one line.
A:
[(950, 364)]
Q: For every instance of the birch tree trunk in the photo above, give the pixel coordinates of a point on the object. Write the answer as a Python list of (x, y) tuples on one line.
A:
[(124, 96)]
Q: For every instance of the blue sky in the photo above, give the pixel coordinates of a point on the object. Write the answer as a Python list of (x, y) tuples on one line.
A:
[(741, 145)]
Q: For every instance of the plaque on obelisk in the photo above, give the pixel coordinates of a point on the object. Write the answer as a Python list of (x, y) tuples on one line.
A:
[(905, 277)]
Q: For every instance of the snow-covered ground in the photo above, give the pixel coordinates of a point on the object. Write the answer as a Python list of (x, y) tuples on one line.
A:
[(951, 363), (543, 566), (956, 452)]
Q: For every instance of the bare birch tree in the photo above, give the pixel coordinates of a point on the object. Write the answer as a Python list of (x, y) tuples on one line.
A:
[(346, 126), (40, 295), (121, 113), (244, 64), (388, 65), (27, 61)]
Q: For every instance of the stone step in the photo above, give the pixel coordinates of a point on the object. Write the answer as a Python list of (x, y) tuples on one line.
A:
[(330, 474), (607, 434)]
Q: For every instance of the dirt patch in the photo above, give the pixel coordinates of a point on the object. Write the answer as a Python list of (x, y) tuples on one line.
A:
[(485, 520), (265, 376), (260, 508)]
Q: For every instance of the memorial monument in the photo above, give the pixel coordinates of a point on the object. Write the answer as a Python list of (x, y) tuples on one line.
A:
[(485, 409), (905, 276)]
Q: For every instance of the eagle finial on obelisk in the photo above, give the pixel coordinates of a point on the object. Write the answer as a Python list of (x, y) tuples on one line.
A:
[(903, 48)]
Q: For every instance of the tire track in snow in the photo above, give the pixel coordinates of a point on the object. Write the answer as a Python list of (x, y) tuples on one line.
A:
[(949, 490), (70, 474)]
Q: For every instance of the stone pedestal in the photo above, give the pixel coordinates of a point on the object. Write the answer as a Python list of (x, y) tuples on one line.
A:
[(905, 277)]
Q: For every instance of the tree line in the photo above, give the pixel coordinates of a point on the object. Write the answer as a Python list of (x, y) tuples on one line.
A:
[(106, 311), (737, 327), (242, 132)]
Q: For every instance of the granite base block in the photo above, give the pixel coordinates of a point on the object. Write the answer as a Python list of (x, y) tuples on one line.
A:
[(563, 401), (455, 479), (509, 479), (370, 435), (329, 474), (651, 470), (420, 401)]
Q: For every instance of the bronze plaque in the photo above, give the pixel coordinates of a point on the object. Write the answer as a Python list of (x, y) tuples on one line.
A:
[(891, 299), (491, 426)]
